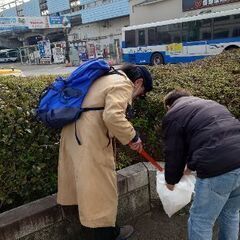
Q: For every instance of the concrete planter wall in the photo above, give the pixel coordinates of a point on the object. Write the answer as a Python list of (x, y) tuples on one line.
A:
[(45, 219)]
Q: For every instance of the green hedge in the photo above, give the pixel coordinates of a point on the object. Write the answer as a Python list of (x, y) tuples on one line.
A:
[(29, 151), (216, 78)]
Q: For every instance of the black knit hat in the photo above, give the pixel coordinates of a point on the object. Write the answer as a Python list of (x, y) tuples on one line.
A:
[(147, 78)]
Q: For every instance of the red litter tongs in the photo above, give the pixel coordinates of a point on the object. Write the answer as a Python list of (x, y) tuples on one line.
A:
[(151, 160)]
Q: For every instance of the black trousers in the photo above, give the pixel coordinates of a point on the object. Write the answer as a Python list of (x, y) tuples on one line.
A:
[(103, 233)]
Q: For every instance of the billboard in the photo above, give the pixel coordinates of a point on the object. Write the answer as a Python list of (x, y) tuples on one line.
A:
[(198, 4), (21, 23)]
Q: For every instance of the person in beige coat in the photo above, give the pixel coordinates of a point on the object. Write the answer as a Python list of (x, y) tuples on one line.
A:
[(86, 172)]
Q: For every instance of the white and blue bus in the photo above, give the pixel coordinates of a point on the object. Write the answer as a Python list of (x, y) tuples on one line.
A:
[(9, 55), (181, 40)]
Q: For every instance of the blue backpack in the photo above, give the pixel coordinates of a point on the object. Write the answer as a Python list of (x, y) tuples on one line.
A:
[(60, 103)]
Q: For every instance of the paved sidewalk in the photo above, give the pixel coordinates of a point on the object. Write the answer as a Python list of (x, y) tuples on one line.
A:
[(156, 225)]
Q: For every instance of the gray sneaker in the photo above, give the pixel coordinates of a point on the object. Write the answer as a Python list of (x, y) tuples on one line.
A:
[(126, 231)]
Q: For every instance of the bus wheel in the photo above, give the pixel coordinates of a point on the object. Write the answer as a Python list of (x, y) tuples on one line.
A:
[(156, 59), (232, 47)]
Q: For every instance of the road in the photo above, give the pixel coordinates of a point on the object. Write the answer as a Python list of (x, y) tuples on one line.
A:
[(36, 70)]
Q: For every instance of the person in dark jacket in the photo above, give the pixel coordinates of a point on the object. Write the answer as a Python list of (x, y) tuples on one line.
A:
[(203, 136)]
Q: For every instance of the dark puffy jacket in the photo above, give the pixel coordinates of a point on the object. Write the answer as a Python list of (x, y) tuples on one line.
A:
[(202, 134)]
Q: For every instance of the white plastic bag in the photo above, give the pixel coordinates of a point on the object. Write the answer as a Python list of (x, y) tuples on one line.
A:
[(175, 200)]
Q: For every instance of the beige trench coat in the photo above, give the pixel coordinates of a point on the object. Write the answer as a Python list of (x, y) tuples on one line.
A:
[(86, 172)]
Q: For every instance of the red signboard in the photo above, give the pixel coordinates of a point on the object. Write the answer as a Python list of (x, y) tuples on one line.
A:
[(198, 4)]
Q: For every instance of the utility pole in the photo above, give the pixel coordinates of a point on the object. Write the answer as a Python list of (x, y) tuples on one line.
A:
[(67, 45), (65, 29)]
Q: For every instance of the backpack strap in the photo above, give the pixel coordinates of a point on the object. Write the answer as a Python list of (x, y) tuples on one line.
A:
[(92, 109), (112, 71), (76, 136), (85, 110), (115, 71)]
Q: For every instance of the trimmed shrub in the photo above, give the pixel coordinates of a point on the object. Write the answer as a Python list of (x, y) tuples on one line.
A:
[(29, 151)]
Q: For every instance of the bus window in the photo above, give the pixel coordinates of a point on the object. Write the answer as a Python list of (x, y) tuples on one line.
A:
[(194, 31), (13, 54), (184, 32), (169, 34), (221, 27), (141, 37), (236, 32), (197, 30), (205, 29), (221, 20), (163, 36), (3, 55), (130, 38), (151, 36), (190, 31), (236, 26), (220, 33), (175, 32), (237, 16)]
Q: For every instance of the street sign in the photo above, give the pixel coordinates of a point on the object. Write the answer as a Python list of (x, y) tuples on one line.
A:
[(22, 23)]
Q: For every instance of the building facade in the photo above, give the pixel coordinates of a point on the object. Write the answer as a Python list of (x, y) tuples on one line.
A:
[(101, 28), (21, 8), (95, 23), (147, 11)]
